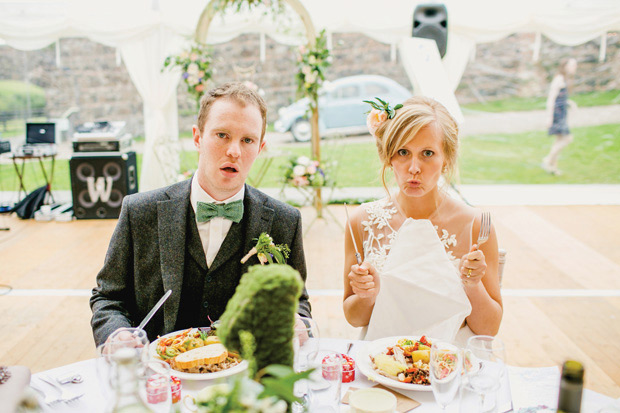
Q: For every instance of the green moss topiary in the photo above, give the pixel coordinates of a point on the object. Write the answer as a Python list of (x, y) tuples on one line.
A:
[(264, 305)]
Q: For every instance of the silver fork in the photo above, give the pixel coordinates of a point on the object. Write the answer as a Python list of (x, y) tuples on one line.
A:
[(47, 398), (485, 228), (66, 395)]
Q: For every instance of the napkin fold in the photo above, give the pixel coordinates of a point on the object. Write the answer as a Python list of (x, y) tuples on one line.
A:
[(421, 293)]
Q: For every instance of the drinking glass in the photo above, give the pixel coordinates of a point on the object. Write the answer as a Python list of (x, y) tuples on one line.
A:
[(106, 368), (154, 385), (445, 372), (305, 343), (305, 347), (484, 366), (326, 382), (128, 337)]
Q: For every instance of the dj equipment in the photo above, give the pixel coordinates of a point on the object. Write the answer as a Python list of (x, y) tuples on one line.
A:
[(430, 21), (100, 181), (40, 140), (37, 133), (101, 137), (5, 146)]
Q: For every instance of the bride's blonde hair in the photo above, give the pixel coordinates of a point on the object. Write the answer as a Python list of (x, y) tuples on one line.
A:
[(416, 113)]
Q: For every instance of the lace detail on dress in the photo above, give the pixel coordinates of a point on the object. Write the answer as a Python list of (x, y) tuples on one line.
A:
[(379, 216), (377, 245), (447, 240)]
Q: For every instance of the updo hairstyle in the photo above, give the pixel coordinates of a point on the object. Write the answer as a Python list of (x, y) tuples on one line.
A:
[(416, 113)]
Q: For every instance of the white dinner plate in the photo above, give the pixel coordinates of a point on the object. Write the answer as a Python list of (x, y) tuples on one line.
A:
[(378, 346), (197, 376)]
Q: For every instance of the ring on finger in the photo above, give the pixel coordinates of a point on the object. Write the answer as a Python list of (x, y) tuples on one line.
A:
[(468, 273)]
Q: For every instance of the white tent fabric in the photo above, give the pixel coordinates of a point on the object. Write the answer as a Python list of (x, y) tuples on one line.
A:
[(147, 30)]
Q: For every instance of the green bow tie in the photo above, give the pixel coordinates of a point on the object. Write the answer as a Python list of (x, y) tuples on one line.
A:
[(232, 211)]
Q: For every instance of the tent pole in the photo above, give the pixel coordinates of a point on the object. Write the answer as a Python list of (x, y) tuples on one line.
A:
[(316, 154)]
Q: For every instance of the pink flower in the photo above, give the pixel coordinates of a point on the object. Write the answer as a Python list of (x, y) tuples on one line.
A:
[(200, 87), (300, 181), (193, 57), (375, 119)]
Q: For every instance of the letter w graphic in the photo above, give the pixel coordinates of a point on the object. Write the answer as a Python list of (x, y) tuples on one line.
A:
[(100, 189)]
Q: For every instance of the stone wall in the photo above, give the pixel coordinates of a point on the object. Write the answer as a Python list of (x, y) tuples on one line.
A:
[(90, 79)]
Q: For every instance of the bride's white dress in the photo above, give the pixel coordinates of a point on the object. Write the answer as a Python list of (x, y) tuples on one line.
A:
[(421, 291)]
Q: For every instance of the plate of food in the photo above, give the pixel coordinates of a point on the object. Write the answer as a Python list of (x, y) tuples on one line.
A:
[(400, 362), (196, 354)]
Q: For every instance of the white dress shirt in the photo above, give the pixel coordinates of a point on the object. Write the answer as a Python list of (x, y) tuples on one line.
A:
[(211, 233)]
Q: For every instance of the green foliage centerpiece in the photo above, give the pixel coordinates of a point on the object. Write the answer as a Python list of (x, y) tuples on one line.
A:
[(259, 324)]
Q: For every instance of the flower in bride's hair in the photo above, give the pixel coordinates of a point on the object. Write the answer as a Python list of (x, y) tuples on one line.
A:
[(374, 119)]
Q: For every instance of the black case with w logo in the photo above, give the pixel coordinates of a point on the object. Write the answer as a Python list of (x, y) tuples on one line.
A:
[(111, 176)]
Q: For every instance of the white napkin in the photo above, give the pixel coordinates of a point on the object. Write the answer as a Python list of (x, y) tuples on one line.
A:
[(421, 293)]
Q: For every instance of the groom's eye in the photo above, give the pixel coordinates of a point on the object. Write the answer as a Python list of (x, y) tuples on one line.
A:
[(248, 140), (221, 135)]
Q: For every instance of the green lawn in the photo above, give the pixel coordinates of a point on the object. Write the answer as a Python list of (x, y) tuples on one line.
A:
[(486, 159), (611, 97)]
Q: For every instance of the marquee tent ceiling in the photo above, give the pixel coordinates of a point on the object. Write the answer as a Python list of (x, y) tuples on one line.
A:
[(34, 24), (146, 31)]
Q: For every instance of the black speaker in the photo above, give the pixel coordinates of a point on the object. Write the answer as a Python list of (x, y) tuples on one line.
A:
[(430, 21), (100, 182)]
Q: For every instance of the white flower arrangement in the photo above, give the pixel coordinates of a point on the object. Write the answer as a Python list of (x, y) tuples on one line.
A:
[(305, 172)]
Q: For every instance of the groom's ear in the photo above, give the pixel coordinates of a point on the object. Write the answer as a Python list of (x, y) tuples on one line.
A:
[(262, 145), (196, 136)]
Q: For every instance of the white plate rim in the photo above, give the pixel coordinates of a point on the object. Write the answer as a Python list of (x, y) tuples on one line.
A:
[(196, 376), (365, 365)]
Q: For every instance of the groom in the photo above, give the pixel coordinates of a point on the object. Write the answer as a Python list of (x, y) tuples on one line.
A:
[(190, 237)]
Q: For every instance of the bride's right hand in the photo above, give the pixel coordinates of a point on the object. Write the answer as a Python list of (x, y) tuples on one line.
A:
[(364, 280)]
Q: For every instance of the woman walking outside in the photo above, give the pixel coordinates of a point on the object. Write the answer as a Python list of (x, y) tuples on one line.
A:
[(557, 108)]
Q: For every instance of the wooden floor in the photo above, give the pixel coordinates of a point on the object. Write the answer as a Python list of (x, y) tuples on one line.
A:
[(44, 321)]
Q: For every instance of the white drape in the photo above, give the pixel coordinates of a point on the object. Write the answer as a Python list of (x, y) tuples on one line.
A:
[(144, 58)]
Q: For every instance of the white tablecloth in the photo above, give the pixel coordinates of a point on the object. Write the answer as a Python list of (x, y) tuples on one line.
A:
[(529, 387)]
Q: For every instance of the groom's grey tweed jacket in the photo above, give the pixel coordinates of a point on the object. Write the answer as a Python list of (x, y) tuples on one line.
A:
[(151, 244)]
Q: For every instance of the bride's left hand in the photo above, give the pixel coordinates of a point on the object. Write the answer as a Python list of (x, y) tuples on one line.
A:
[(473, 266)]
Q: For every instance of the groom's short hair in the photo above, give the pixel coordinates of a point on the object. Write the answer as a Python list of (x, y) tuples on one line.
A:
[(233, 90)]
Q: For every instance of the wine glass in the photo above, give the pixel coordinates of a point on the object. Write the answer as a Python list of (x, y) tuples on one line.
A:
[(305, 347), (485, 367), (155, 385), (445, 372)]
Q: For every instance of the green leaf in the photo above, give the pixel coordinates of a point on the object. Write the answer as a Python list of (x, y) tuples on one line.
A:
[(279, 258), (278, 370), (400, 105), (382, 101)]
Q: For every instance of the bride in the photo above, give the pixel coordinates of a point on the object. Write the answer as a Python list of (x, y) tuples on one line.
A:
[(422, 272)]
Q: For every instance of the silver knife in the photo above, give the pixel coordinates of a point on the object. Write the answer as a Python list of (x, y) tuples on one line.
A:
[(357, 253), (154, 309)]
